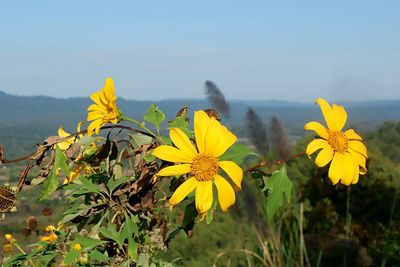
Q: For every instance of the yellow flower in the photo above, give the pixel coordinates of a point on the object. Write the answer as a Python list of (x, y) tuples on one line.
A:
[(10, 238), (203, 164), (73, 174), (67, 143), (105, 109), (49, 238), (77, 247), (50, 228), (344, 150), (8, 248)]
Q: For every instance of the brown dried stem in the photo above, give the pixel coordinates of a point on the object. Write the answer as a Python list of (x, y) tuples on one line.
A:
[(269, 163)]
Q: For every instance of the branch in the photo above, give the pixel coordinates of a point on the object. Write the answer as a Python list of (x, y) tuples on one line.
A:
[(269, 163), (56, 140)]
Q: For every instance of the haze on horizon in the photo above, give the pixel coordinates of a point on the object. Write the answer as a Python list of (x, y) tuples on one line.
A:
[(289, 51)]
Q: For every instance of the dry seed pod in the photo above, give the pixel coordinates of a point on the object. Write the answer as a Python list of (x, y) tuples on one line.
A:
[(47, 212), (32, 223), (26, 232), (7, 198)]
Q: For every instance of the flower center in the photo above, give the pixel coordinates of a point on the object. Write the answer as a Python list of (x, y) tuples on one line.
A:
[(338, 141), (204, 167)]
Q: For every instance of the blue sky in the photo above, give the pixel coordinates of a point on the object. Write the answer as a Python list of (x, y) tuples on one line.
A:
[(289, 50)]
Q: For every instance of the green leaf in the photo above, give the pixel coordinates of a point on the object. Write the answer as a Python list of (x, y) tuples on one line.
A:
[(88, 186), (181, 123), (154, 116), (111, 233), (132, 250), (140, 139), (237, 153), (46, 259), (210, 213), (51, 183), (71, 256), (189, 217), (98, 256), (60, 161), (114, 183), (87, 242), (278, 184)]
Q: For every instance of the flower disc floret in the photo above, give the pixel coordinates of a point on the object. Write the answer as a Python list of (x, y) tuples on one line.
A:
[(204, 167), (338, 141)]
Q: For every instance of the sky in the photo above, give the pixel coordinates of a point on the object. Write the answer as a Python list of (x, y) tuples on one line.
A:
[(253, 50)]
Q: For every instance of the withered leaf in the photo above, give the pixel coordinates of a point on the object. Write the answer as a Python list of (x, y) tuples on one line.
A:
[(213, 113), (103, 152)]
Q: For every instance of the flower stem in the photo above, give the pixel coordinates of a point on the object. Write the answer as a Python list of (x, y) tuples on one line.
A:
[(20, 249)]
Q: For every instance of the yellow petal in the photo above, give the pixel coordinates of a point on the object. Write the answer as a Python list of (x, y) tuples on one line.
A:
[(340, 116), (360, 159), (318, 128), (63, 145), (174, 170), (356, 171), (94, 116), (171, 154), (183, 190), (213, 136), (204, 196), (75, 172), (96, 98), (201, 122), (351, 134), (62, 133), (315, 145), (226, 195), (359, 147), (94, 127), (180, 139), (95, 107), (233, 170), (347, 169), (109, 88), (104, 99), (335, 170), (327, 113), (324, 156), (226, 140)]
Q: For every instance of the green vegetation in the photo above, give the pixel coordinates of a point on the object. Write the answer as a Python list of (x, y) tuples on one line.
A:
[(323, 225)]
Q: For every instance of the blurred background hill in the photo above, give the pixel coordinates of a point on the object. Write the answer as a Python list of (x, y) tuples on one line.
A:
[(25, 121)]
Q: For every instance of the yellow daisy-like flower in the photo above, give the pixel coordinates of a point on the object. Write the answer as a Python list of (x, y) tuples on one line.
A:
[(203, 164), (10, 239), (51, 238), (344, 150), (105, 109), (8, 248), (77, 247)]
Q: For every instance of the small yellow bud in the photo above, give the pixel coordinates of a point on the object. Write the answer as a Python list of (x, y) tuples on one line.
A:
[(77, 246)]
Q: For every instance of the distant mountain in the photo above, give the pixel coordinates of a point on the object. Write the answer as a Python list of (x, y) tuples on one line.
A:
[(25, 121)]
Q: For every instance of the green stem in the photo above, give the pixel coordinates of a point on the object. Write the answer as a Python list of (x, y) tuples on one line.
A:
[(141, 125), (20, 249)]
